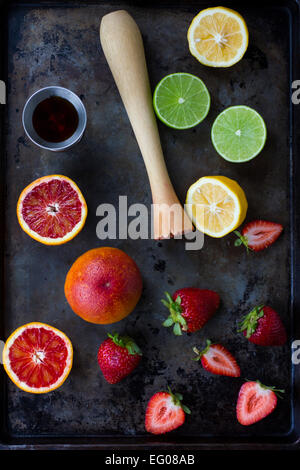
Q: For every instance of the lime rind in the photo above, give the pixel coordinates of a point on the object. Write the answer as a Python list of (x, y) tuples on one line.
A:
[(175, 113), (239, 148)]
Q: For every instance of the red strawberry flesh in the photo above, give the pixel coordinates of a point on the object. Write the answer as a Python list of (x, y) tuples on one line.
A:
[(162, 414), (260, 234), (255, 402)]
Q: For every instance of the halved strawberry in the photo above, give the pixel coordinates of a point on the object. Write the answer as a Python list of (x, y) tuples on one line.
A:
[(264, 327), (258, 234), (255, 402), (165, 412), (218, 360)]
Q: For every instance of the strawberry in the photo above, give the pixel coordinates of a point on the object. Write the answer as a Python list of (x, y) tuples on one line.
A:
[(165, 412), (218, 360), (255, 402), (190, 308), (258, 234), (118, 356), (264, 327)]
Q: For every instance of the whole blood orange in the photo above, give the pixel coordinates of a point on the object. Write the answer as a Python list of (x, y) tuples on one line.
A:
[(52, 209), (38, 357), (103, 285)]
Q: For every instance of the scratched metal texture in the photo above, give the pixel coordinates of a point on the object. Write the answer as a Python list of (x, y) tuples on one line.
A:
[(59, 45)]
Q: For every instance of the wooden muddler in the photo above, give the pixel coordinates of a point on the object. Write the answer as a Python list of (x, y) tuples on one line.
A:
[(122, 45)]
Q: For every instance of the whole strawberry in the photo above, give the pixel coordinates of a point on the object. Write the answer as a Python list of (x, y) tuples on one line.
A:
[(190, 308), (118, 356), (264, 327)]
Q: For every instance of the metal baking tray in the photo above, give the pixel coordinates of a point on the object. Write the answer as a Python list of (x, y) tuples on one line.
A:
[(45, 43)]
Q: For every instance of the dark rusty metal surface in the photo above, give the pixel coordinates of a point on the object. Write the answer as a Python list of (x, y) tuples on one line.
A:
[(60, 46)]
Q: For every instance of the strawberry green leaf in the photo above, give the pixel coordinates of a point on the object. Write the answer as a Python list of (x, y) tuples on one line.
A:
[(201, 353), (196, 351), (270, 387), (175, 318), (170, 300), (182, 321), (250, 321), (168, 322), (186, 409), (242, 240), (178, 396), (277, 391), (125, 342), (177, 330), (177, 399)]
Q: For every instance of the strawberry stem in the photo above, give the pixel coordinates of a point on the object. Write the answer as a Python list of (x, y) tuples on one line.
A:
[(277, 391), (201, 353), (177, 399), (241, 240), (175, 318), (250, 321), (125, 342)]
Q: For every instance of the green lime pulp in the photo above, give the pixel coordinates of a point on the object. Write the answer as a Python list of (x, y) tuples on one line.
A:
[(239, 134), (181, 100)]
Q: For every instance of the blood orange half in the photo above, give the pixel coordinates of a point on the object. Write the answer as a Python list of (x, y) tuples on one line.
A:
[(52, 210), (37, 357)]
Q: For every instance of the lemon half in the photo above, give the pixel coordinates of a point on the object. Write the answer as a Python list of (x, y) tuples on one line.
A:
[(217, 205), (218, 37)]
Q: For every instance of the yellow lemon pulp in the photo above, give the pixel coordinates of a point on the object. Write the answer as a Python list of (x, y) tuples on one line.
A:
[(218, 37), (217, 205)]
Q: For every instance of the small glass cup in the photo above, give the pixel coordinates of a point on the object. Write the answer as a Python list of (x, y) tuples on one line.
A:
[(43, 94)]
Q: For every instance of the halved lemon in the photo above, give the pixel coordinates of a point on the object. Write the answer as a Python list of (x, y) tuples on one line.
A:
[(217, 205), (52, 210), (218, 37), (38, 357)]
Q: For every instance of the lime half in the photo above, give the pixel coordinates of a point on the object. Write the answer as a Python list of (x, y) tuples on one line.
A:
[(181, 100), (239, 134)]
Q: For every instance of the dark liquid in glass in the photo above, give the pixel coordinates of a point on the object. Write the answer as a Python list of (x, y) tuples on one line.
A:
[(55, 119)]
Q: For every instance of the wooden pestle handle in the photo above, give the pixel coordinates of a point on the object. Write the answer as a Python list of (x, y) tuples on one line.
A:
[(122, 45)]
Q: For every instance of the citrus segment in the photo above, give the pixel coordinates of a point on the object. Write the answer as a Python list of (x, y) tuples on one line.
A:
[(218, 37), (52, 209), (38, 357), (181, 100), (217, 205), (239, 134)]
